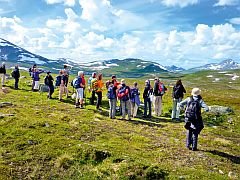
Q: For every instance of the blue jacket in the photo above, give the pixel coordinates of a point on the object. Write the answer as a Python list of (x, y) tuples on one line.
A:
[(135, 96)]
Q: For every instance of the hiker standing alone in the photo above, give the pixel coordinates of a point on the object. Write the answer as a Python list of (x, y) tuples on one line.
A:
[(177, 95), (49, 82), (3, 73), (193, 117), (16, 76)]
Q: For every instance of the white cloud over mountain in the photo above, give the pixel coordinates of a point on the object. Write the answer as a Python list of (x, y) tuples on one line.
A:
[(66, 2), (182, 3), (102, 31)]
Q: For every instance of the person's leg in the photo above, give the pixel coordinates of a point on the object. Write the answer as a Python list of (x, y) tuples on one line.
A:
[(160, 106), (3, 79), (194, 140), (189, 138), (16, 83), (174, 108), (178, 108), (114, 108), (132, 108), (61, 90), (135, 110), (51, 91), (123, 104), (128, 103), (81, 97), (110, 108), (66, 90), (77, 103), (150, 108), (156, 105), (145, 107), (33, 84), (98, 100), (93, 98)]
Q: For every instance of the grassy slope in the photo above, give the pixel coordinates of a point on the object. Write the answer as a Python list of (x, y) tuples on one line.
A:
[(48, 139)]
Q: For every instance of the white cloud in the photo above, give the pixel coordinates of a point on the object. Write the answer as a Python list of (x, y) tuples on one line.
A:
[(182, 3), (235, 20), (66, 2), (227, 3)]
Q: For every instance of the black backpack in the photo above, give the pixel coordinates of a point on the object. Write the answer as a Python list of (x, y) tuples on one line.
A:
[(1, 69), (177, 92), (193, 111)]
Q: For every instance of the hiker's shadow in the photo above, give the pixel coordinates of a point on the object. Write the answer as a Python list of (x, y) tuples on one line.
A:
[(143, 122), (232, 158)]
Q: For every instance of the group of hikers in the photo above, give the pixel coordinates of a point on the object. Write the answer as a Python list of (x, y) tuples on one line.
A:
[(129, 97)]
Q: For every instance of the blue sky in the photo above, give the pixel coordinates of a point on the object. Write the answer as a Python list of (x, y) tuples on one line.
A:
[(185, 33)]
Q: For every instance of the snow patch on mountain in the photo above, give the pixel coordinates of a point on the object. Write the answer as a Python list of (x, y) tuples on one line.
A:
[(24, 58)]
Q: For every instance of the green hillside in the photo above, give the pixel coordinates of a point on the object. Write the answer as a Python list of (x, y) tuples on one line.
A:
[(48, 139)]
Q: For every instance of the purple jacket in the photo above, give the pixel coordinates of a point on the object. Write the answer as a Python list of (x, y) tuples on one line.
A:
[(35, 75)]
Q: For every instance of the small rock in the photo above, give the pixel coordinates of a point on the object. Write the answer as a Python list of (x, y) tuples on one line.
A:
[(4, 104), (220, 171), (230, 120), (47, 125), (231, 175), (23, 77), (220, 109)]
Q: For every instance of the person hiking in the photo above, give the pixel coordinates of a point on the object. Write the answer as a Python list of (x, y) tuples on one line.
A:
[(177, 95), (90, 87), (158, 91), (36, 78), (147, 100), (112, 97), (16, 75), (67, 70), (123, 93), (3, 73), (98, 88), (193, 117), (48, 81), (62, 87), (135, 100), (79, 86)]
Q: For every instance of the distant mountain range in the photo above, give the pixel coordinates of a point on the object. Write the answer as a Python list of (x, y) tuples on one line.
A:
[(130, 67)]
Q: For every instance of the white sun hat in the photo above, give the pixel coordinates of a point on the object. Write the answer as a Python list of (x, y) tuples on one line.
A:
[(196, 91)]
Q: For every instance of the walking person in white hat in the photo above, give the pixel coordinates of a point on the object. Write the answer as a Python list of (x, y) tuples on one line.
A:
[(193, 117)]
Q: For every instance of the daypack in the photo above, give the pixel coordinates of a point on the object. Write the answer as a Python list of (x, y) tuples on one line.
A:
[(46, 81), (76, 82), (193, 110), (13, 74), (111, 94), (134, 92), (122, 94), (94, 84), (162, 88), (177, 92), (58, 80), (1, 70)]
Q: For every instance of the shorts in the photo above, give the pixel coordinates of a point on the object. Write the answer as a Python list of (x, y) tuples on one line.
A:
[(79, 93), (36, 85)]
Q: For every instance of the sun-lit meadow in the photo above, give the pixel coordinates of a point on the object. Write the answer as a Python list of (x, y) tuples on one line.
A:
[(49, 139)]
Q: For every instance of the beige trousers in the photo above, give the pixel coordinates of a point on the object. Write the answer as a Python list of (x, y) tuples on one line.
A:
[(62, 89), (158, 105)]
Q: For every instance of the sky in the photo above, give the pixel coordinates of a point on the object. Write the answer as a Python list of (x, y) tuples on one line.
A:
[(186, 33)]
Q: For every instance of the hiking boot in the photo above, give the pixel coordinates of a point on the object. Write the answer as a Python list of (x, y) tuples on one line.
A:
[(81, 106), (194, 149)]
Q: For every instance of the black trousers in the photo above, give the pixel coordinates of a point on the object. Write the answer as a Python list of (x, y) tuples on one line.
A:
[(16, 83), (99, 99), (93, 97)]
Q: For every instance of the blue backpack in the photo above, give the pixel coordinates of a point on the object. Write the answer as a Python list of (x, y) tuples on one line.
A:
[(58, 80), (76, 82), (111, 94), (123, 90)]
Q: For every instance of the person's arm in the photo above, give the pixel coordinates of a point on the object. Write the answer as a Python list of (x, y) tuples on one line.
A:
[(204, 105), (184, 90), (183, 103)]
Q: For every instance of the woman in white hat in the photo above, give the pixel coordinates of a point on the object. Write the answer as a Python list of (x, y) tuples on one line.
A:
[(193, 118)]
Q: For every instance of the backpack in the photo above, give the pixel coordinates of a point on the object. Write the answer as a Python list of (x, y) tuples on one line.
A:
[(134, 92), (58, 80), (94, 84), (46, 81), (177, 92), (162, 88), (111, 94), (76, 82), (193, 110), (122, 94), (1, 69), (13, 74)]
